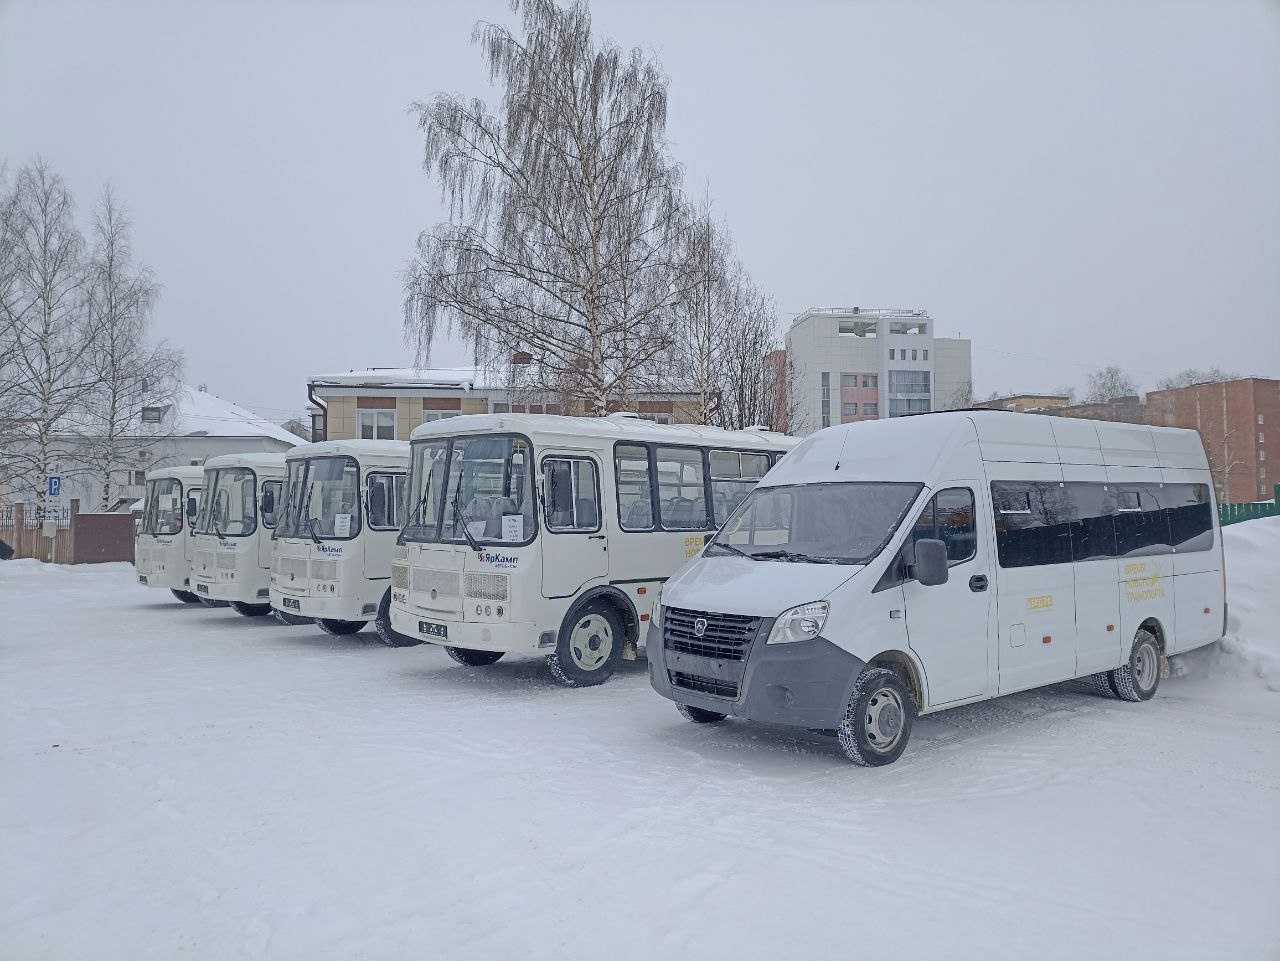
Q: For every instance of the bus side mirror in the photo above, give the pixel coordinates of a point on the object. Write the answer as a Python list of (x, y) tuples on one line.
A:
[(268, 501), (931, 562)]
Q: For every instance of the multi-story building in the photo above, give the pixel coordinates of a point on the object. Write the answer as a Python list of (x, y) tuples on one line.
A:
[(1027, 403), (388, 403), (853, 363), (1236, 419)]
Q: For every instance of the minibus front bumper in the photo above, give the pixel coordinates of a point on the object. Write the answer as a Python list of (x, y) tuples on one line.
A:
[(336, 607), (804, 684)]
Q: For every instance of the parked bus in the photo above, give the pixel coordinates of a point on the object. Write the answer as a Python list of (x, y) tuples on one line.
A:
[(898, 567), (549, 534), (162, 547), (337, 530), (232, 560)]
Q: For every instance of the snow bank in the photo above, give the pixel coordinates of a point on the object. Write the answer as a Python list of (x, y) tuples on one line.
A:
[(1252, 644)]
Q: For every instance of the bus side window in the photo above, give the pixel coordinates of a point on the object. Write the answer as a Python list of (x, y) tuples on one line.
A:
[(733, 474), (571, 494), (634, 483), (271, 494)]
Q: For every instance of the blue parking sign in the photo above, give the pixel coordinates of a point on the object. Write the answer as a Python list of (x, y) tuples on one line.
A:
[(55, 486)]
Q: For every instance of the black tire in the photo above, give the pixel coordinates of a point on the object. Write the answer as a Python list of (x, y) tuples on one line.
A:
[(251, 610), (699, 716), (474, 658), (1138, 679), (382, 624), (209, 602), (290, 620), (185, 596), (877, 723), (1102, 685), (578, 660), (339, 628)]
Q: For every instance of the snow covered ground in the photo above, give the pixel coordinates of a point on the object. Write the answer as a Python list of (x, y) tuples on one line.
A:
[(184, 782)]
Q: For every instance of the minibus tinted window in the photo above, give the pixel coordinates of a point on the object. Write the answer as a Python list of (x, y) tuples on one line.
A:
[(384, 494), (163, 512), (830, 523), (1093, 530), (1190, 517), (1142, 526), (635, 485), (949, 517), (1033, 523), (682, 499), (733, 475)]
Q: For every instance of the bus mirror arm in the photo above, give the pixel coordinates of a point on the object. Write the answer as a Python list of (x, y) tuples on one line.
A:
[(930, 566)]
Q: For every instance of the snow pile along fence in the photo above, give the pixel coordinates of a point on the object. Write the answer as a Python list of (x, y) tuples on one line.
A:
[(1234, 513), (80, 538)]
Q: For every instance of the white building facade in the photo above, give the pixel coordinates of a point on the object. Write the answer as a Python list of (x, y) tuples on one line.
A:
[(850, 364)]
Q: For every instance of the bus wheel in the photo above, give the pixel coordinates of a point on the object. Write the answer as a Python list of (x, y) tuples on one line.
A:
[(339, 628), (877, 722), (382, 623), (590, 646), (251, 610), (185, 596), (207, 602), (699, 716), (472, 658), (290, 620), (1138, 680)]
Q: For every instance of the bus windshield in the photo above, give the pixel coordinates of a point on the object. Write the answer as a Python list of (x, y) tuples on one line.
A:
[(230, 508), (833, 523), (321, 499), (471, 490), (163, 512)]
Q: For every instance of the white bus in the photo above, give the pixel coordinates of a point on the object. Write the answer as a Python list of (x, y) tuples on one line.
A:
[(232, 560), (894, 568), (548, 534), (162, 547), (337, 529)]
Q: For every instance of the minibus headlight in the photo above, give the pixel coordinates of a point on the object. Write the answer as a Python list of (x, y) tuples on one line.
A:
[(801, 623)]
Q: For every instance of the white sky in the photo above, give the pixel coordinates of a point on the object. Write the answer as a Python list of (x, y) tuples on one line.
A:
[(1068, 184)]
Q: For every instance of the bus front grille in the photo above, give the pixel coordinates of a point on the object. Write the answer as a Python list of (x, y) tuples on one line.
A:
[(293, 566), (726, 637), (226, 562), (487, 587), (324, 570), (400, 577), (204, 560), (444, 583), (715, 686)]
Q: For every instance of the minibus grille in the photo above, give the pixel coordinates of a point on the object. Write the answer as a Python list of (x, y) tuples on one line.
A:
[(726, 637), (399, 577), (324, 570), (445, 583), (226, 562), (487, 587), (717, 687), (293, 566)]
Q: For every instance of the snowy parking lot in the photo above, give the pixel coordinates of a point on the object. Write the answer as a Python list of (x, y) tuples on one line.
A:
[(185, 782)]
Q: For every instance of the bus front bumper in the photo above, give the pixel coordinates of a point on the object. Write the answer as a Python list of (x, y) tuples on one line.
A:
[(335, 607), (507, 637), (806, 684), (226, 590)]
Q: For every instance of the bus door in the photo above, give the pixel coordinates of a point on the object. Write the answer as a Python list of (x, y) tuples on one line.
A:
[(191, 510), (575, 550)]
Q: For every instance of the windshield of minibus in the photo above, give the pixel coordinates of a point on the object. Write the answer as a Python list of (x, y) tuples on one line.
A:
[(163, 511), (321, 499), (230, 508), (471, 490), (840, 523)]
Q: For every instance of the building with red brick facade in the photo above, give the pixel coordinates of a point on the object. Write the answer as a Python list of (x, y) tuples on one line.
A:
[(1238, 421)]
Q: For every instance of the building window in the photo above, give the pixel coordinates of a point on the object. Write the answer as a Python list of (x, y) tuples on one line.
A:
[(152, 415), (871, 381), (376, 424), (848, 380), (1262, 455), (870, 410), (826, 399), (857, 328), (908, 392), (1259, 419), (1261, 439), (910, 329), (848, 410), (891, 354), (429, 415), (926, 354), (915, 355)]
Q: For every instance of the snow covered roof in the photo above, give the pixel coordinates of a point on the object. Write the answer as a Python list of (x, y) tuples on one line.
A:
[(465, 378), (258, 460), (359, 449), (613, 427), (201, 414)]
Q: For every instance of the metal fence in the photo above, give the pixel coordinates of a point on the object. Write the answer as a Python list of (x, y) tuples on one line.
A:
[(1235, 513)]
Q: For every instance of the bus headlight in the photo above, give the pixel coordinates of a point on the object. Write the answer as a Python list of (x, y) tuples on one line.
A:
[(801, 623)]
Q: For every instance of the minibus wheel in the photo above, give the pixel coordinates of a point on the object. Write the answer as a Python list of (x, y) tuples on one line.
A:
[(209, 602), (1138, 679), (699, 716), (339, 628), (185, 596), (877, 723), (591, 642), (382, 624), (472, 658), (251, 610), (1102, 685)]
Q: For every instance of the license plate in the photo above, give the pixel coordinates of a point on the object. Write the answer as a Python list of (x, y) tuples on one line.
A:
[(433, 630), (142, 579), (292, 604), (202, 588)]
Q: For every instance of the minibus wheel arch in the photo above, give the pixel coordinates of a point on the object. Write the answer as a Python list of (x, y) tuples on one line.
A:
[(1154, 626), (907, 670)]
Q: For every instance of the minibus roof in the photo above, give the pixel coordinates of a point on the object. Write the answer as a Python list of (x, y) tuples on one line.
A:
[(359, 449), (259, 460), (612, 428), (183, 472), (952, 444)]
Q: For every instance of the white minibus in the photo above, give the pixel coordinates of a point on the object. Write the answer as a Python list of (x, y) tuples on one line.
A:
[(337, 529), (162, 546), (547, 534), (897, 567), (232, 559)]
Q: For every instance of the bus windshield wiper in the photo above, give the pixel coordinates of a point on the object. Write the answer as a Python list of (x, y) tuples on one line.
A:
[(784, 555), (311, 529), (458, 512)]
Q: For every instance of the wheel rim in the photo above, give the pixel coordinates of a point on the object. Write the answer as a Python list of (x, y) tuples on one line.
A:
[(1146, 663), (885, 720), (591, 642)]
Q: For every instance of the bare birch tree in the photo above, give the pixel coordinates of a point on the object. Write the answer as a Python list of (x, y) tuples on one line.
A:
[(129, 372), (564, 211), (42, 301), (1108, 383), (1195, 375)]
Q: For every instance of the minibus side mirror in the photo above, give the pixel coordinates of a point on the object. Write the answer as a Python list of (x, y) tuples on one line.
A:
[(931, 562)]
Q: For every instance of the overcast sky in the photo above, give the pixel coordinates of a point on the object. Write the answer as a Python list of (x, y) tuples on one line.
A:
[(1068, 184)]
